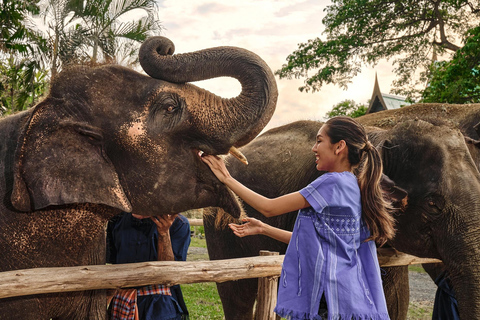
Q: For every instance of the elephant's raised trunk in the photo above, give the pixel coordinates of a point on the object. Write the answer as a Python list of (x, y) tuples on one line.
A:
[(232, 122)]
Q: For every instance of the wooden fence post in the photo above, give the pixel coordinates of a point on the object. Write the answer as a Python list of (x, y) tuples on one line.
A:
[(267, 294)]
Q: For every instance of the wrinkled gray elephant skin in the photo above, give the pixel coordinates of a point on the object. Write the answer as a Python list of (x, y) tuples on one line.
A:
[(109, 139), (438, 218), (455, 216)]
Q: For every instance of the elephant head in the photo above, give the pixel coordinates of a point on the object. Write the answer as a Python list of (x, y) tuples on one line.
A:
[(110, 135), (441, 218)]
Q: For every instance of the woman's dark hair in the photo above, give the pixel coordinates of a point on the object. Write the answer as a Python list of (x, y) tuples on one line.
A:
[(363, 155)]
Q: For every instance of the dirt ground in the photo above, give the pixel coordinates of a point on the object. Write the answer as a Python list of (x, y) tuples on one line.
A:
[(422, 288), (422, 294)]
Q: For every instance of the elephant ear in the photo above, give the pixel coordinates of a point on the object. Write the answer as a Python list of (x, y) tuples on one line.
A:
[(397, 196), (60, 162)]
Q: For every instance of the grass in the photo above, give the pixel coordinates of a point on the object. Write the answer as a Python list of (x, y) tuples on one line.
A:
[(202, 299), (418, 312), (416, 268), (198, 243)]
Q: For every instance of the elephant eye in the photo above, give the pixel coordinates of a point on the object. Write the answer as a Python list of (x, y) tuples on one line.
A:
[(166, 104), (434, 205), (166, 112)]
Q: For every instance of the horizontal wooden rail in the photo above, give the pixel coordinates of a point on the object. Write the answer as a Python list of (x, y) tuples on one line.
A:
[(388, 257), (49, 280), (196, 222)]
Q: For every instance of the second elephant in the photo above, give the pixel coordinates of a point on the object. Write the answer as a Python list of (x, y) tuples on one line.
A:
[(440, 218)]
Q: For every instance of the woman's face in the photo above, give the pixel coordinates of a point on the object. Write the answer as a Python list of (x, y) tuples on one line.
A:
[(324, 150)]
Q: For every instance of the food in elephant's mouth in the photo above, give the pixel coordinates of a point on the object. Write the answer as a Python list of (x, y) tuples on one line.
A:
[(234, 152)]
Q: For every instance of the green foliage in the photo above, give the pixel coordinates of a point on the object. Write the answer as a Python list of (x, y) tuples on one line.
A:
[(362, 32), (14, 33), (22, 79), (107, 31), (22, 83), (96, 30), (347, 108), (77, 31), (199, 231), (457, 80)]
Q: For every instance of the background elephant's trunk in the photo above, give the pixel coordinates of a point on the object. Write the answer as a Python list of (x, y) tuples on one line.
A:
[(226, 122), (462, 260)]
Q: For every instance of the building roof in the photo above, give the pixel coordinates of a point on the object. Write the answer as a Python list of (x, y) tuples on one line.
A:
[(382, 101)]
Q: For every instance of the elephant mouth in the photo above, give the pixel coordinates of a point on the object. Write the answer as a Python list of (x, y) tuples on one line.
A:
[(212, 192), (233, 151)]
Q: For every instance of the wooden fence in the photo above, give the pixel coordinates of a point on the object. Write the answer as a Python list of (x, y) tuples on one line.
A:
[(79, 278), (267, 267)]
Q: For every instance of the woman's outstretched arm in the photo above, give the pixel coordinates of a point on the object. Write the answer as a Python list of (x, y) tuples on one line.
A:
[(268, 207), (253, 226)]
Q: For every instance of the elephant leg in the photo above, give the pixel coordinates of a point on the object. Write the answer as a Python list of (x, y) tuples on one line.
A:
[(26, 308), (62, 306), (397, 291), (95, 305), (84, 305), (238, 298)]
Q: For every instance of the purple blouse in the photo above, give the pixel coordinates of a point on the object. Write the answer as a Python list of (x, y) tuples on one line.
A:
[(327, 255)]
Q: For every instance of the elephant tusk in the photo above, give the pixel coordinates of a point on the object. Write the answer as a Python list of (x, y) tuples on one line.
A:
[(237, 154)]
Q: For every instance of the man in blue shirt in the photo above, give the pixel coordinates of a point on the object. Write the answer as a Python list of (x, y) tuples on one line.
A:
[(135, 238)]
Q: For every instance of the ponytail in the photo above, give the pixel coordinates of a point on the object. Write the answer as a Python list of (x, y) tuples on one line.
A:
[(363, 155), (375, 209)]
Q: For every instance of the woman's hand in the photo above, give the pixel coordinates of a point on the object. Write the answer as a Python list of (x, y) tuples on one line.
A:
[(251, 227), (217, 166), (254, 226)]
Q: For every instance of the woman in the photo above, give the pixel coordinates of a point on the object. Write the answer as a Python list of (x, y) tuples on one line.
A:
[(330, 270)]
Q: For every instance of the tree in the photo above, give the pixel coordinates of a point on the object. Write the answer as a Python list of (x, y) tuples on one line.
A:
[(347, 108), (63, 34), (14, 33), (22, 83), (366, 31), (108, 28), (77, 31), (457, 80), (22, 79), (86, 31)]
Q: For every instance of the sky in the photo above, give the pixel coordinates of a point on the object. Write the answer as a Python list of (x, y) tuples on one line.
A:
[(272, 29)]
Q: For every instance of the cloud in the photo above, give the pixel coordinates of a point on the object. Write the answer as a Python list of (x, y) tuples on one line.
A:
[(272, 29)]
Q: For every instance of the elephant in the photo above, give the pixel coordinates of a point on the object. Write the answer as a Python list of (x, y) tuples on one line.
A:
[(108, 139), (429, 160)]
